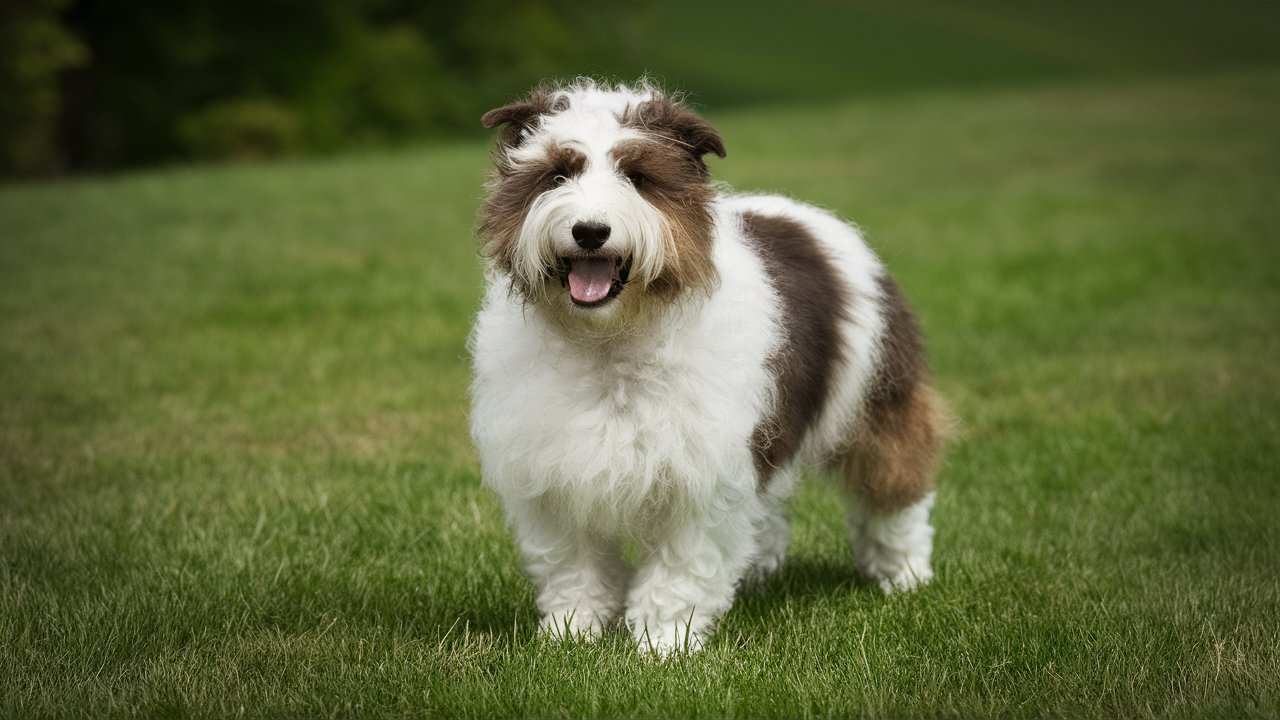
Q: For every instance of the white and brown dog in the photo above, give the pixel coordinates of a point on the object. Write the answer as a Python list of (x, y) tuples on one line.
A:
[(657, 359)]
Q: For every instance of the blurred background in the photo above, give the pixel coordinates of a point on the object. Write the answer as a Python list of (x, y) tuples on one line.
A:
[(94, 85)]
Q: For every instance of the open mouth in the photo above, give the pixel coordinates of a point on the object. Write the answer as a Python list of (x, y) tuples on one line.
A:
[(593, 280)]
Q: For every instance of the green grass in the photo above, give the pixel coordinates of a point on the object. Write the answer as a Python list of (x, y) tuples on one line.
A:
[(235, 477)]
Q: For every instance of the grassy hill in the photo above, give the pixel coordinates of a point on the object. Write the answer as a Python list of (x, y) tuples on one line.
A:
[(235, 477), (753, 51)]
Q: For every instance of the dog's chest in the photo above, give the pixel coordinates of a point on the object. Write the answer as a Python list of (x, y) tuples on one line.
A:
[(656, 415), (621, 428)]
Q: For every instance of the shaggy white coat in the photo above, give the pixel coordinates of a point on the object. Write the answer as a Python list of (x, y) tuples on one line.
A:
[(633, 422)]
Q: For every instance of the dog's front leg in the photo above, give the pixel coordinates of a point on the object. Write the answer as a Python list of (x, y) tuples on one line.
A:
[(686, 584), (580, 577)]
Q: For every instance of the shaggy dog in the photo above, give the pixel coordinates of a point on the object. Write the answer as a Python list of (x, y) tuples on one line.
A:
[(656, 359)]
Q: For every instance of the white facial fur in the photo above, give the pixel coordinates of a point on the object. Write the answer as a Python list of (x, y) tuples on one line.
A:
[(600, 193)]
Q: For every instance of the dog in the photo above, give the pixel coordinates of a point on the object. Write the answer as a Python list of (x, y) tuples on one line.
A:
[(657, 358)]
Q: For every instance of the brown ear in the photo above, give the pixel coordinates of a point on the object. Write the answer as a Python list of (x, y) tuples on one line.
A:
[(664, 117), (520, 112), (518, 116)]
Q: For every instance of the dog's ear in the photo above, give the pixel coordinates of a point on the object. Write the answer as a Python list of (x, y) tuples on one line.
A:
[(520, 112), (518, 116), (665, 117), (701, 135)]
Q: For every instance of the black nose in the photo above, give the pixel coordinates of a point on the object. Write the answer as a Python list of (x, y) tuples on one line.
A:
[(590, 235)]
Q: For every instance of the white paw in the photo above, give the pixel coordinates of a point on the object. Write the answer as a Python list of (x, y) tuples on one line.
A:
[(669, 641), (571, 624), (905, 580)]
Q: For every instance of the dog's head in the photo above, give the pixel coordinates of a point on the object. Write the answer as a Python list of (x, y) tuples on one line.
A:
[(600, 198)]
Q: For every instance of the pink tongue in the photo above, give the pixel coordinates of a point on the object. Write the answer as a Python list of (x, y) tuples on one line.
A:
[(590, 279)]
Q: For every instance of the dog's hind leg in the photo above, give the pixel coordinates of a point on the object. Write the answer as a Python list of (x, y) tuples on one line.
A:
[(893, 549), (889, 474), (773, 535)]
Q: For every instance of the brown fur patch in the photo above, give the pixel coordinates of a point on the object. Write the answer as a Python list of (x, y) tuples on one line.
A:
[(679, 126), (677, 184), (891, 463), (519, 116), (813, 301), (512, 190)]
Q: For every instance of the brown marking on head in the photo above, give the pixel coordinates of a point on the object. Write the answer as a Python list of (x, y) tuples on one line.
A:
[(664, 118), (678, 186), (892, 459), (519, 116), (665, 166), (512, 191), (814, 300)]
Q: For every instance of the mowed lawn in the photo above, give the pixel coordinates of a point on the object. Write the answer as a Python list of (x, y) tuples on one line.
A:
[(235, 477)]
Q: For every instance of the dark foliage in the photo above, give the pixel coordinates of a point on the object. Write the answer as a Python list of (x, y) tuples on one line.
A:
[(35, 49), (101, 85), (245, 79)]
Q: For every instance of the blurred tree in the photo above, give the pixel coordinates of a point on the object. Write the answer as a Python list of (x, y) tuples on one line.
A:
[(241, 130), (35, 49), (235, 78), (164, 76), (103, 84)]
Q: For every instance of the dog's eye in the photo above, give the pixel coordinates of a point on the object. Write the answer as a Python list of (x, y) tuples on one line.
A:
[(560, 179), (636, 179)]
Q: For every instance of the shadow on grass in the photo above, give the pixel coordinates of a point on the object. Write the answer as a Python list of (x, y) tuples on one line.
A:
[(504, 610), (805, 580)]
